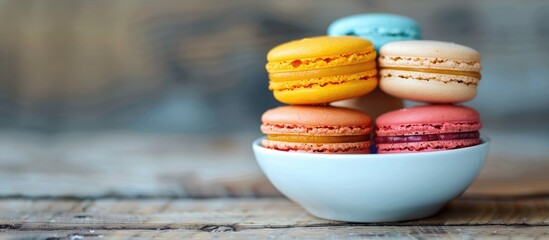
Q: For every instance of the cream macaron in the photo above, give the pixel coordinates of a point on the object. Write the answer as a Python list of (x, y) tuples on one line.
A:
[(429, 71)]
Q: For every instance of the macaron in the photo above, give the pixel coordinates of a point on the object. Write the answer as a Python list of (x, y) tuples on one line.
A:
[(429, 71), (379, 28), (316, 129), (321, 70), (427, 128)]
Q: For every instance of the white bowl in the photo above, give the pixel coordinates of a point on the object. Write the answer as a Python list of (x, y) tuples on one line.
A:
[(372, 187)]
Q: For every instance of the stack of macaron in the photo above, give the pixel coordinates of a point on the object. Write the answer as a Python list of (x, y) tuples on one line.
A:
[(309, 74), (361, 53)]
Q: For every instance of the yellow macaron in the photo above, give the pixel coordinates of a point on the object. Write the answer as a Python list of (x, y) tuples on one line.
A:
[(322, 69)]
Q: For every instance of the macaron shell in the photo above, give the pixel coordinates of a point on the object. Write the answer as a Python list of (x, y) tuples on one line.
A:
[(429, 119), (355, 147), (429, 54), (317, 116), (319, 47), (328, 93), (380, 28), (429, 146), (389, 23), (437, 89), (431, 48), (437, 113)]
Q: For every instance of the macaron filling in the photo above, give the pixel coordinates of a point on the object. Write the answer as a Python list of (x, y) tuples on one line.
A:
[(428, 137), (283, 81), (437, 71), (322, 72), (317, 139)]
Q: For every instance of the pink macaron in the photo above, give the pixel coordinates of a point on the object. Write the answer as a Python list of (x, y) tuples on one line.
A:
[(427, 128), (316, 129)]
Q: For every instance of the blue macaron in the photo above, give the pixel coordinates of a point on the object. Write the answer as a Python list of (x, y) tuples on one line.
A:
[(379, 28)]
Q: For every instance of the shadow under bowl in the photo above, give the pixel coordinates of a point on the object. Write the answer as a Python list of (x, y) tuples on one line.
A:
[(372, 187)]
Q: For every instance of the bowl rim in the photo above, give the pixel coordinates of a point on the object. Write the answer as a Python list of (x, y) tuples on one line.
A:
[(256, 145)]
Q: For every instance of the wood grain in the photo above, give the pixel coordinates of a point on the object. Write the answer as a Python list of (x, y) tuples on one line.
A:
[(240, 214), (257, 218), (347, 232), (128, 164)]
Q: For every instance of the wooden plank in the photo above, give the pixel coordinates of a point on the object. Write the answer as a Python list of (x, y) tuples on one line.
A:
[(347, 232), (129, 164), (91, 166), (240, 214)]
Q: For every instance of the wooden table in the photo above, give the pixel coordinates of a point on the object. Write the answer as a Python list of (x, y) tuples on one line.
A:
[(131, 186)]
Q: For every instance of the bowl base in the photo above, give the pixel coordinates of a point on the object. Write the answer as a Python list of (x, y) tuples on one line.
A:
[(376, 216)]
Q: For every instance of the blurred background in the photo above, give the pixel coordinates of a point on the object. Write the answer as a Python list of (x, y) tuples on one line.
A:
[(163, 98)]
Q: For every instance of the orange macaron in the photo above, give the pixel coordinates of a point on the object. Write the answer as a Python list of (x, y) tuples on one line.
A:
[(321, 70), (321, 129)]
